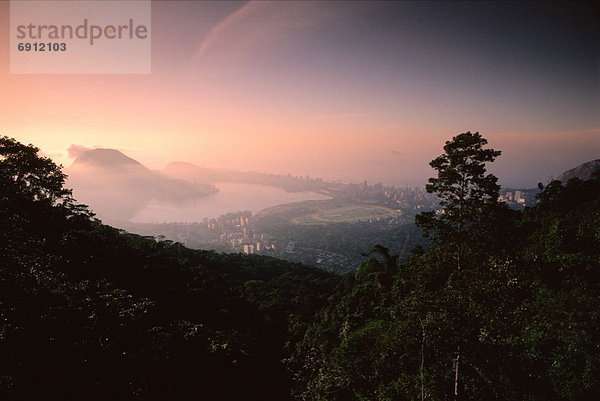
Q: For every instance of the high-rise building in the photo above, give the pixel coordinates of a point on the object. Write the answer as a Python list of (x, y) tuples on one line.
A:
[(249, 249)]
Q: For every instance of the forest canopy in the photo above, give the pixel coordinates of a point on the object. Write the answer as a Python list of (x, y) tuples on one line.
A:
[(502, 306)]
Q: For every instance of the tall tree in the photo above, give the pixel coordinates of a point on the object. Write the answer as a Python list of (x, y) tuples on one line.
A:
[(465, 191), (467, 196)]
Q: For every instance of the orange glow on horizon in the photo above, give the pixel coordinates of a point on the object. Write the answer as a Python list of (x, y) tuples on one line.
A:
[(285, 99)]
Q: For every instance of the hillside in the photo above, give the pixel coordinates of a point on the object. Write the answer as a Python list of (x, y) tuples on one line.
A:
[(91, 312), (119, 186), (584, 171), (503, 306), (194, 173)]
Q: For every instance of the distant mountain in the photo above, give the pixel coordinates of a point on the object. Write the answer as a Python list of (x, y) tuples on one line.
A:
[(290, 183), (117, 186), (106, 158), (584, 171), (194, 173)]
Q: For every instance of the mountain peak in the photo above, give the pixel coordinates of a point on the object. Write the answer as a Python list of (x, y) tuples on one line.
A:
[(105, 158), (584, 171)]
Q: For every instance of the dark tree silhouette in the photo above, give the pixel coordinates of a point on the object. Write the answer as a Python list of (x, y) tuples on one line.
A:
[(466, 195)]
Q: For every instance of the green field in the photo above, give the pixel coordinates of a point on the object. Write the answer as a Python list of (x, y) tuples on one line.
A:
[(345, 214)]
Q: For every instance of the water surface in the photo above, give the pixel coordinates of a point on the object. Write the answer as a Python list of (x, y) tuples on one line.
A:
[(231, 197)]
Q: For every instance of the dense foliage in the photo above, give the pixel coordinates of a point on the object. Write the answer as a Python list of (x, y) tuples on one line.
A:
[(351, 239), (504, 305), (90, 312)]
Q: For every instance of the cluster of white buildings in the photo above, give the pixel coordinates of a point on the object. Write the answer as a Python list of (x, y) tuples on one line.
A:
[(237, 231), (516, 197)]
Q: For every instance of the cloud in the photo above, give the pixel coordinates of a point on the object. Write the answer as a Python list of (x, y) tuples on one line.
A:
[(394, 153), (76, 150), (256, 25), (216, 33)]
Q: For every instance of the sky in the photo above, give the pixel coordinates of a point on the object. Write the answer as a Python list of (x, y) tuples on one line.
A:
[(347, 91)]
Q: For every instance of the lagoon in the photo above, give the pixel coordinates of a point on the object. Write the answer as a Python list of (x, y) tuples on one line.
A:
[(232, 197)]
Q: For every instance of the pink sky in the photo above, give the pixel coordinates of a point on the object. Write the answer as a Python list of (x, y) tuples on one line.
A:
[(321, 89)]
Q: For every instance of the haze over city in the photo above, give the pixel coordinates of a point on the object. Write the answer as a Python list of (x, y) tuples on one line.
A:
[(351, 91), (299, 200)]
